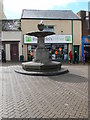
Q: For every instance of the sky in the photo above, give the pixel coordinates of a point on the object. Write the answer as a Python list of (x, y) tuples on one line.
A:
[(13, 8)]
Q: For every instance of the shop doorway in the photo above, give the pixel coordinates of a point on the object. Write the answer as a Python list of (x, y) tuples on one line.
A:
[(14, 52), (76, 49), (87, 53)]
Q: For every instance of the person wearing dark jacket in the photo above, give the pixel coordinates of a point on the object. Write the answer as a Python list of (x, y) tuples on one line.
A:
[(75, 57), (3, 56)]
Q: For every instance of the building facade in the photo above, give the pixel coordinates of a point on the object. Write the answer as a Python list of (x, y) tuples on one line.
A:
[(11, 40), (2, 16), (85, 16), (64, 23)]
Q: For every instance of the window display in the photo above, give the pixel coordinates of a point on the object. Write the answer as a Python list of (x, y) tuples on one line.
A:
[(57, 52)]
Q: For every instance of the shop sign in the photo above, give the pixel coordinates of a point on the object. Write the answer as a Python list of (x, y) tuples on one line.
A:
[(86, 40), (50, 39), (30, 39)]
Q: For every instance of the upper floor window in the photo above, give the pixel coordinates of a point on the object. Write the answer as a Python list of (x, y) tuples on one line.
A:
[(49, 28), (87, 23)]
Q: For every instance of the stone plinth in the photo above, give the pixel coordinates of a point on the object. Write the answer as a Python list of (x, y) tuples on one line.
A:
[(41, 67)]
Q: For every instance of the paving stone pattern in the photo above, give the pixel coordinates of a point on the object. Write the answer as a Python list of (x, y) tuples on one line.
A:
[(24, 96)]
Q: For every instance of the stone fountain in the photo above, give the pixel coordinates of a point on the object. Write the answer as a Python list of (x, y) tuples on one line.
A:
[(41, 64)]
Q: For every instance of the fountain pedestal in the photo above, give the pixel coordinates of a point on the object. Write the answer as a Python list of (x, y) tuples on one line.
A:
[(41, 54)]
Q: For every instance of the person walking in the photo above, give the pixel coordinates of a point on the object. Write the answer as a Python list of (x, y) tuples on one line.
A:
[(31, 54), (56, 54), (75, 57), (3, 56), (70, 57), (84, 58)]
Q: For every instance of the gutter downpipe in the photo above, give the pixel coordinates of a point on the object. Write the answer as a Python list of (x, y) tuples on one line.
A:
[(72, 41)]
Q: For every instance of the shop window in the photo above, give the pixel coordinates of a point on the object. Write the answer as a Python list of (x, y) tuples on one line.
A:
[(87, 23), (58, 52), (30, 50)]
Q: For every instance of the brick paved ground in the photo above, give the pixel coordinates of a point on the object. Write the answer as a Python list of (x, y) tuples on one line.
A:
[(63, 96)]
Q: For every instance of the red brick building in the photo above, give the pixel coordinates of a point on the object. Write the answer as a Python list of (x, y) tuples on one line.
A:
[(85, 16)]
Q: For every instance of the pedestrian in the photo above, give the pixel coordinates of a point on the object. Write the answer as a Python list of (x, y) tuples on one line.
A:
[(50, 54), (31, 54), (56, 54), (3, 56), (84, 58), (75, 57), (70, 57)]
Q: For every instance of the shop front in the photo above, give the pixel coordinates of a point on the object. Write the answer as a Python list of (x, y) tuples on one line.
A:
[(86, 49), (56, 44)]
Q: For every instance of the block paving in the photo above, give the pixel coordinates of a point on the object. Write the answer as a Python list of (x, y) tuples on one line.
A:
[(24, 96)]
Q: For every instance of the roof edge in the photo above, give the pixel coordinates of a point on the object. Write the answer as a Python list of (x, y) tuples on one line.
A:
[(25, 10), (48, 19)]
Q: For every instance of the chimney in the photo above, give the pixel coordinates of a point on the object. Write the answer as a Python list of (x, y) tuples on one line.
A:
[(89, 23), (84, 28)]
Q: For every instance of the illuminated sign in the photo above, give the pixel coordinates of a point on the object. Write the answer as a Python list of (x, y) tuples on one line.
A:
[(49, 39), (87, 40)]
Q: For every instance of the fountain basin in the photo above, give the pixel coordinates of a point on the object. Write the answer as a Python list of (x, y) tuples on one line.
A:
[(63, 70), (41, 67)]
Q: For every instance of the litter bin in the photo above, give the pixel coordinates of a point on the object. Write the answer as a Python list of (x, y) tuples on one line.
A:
[(21, 58)]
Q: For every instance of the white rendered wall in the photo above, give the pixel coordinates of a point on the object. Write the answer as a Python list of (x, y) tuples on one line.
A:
[(20, 49), (7, 46), (11, 36)]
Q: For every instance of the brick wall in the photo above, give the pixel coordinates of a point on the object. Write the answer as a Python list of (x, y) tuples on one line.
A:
[(82, 14)]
